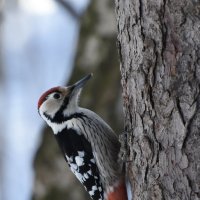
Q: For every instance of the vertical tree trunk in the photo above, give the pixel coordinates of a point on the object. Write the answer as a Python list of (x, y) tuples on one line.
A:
[(159, 46)]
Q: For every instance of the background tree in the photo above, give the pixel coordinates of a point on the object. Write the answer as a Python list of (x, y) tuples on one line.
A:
[(159, 46)]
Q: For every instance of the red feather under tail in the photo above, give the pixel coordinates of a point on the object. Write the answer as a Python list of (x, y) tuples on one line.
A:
[(119, 192)]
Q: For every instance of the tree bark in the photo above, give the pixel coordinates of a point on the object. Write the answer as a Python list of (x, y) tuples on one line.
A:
[(159, 47)]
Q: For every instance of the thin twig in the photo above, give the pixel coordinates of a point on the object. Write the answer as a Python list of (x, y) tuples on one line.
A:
[(69, 8)]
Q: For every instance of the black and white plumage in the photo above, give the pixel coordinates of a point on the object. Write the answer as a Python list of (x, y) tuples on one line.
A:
[(89, 145), (78, 153)]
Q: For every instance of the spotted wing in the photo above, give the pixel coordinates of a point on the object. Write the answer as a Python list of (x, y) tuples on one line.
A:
[(78, 154)]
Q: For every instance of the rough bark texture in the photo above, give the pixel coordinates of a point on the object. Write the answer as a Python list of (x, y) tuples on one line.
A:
[(159, 46)]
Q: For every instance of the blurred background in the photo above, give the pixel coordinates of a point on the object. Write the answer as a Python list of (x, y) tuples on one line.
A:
[(45, 43)]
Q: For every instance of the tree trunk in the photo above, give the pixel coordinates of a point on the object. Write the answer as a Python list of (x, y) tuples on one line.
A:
[(159, 47)]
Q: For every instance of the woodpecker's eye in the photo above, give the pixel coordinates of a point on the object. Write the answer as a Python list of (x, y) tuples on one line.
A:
[(57, 96)]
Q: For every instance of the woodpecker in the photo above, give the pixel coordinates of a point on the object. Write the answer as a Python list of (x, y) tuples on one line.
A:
[(89, 145)]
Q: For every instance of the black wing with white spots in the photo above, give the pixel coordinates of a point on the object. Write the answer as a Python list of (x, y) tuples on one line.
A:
[(78, 154)]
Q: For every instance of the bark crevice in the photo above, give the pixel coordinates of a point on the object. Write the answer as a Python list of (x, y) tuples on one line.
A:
[(159, 48)]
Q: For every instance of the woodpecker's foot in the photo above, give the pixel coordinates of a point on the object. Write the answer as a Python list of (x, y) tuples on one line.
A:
[(124, 152)]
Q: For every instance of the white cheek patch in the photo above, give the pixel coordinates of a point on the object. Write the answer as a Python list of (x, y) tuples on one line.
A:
[(50, 107)]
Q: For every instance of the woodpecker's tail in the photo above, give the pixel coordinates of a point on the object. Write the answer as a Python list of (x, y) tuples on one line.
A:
[(119, 192)]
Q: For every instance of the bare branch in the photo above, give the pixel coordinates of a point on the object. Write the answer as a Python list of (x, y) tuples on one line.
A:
[(69, 8)]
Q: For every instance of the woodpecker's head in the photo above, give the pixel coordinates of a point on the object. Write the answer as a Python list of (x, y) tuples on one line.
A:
[(60, 102)]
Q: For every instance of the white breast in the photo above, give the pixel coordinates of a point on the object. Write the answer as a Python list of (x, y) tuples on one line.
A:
[(58, 127)]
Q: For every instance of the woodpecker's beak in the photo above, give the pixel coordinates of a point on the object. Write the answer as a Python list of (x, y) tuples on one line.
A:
[(82, 82), (76, 88)]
